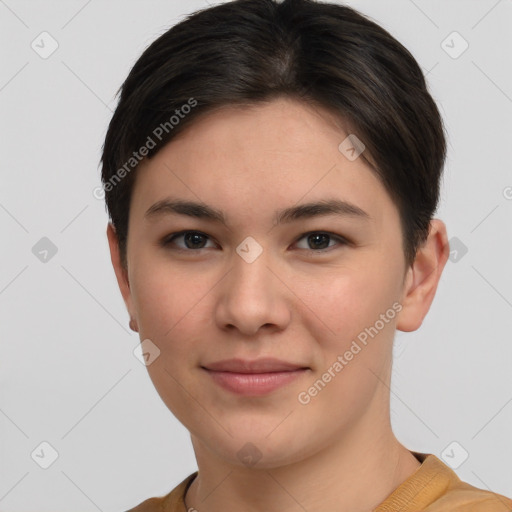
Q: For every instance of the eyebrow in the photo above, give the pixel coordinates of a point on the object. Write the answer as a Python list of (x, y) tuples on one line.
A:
[(287, 215)]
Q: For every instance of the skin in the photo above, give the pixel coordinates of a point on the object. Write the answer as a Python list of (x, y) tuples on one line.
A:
[(292, 303)]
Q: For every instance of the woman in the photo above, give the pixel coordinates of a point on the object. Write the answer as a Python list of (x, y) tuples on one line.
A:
[(271, 173)]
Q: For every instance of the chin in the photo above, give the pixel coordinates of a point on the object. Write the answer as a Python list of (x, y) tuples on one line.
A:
[(259, 447)]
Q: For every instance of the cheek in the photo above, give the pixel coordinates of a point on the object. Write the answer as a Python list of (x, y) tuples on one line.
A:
[(162, 296), (170, 305), (338, 306), (171, 314)]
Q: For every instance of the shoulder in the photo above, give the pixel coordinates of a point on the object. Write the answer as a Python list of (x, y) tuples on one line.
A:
[(467, 498), (172, 502), (435, 487), (456, 495), (149, 505)]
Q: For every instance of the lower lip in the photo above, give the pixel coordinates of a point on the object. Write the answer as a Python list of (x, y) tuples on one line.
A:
[(254, 384)]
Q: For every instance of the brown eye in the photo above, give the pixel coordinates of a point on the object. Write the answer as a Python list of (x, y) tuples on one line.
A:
[(193, 240), (316, 241), (319, 241)]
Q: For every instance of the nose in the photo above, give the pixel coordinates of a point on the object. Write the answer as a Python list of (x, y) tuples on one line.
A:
[(253, 295)]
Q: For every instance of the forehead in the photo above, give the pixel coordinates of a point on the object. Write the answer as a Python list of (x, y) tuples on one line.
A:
[(280, 125), (271, 154)]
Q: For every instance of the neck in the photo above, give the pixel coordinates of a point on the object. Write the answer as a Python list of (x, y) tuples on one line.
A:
[(356, 473)]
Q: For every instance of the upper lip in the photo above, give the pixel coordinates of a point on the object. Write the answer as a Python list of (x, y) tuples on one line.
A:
[(263, 365)]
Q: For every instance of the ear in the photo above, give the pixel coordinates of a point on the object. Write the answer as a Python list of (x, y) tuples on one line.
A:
[(423, 277), (121, 274)]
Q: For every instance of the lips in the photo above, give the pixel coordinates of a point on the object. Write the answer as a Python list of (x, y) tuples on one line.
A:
[(263, 365), (254, 378)]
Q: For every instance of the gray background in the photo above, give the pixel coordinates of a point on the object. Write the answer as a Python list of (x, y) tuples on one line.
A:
[(69, 376)]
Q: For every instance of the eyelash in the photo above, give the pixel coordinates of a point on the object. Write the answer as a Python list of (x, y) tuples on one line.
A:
[(168, 240)]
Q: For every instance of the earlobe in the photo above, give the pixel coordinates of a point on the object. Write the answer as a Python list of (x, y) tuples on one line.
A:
[(423, 278), (133, 325)]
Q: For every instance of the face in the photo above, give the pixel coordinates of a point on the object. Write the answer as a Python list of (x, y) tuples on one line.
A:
[(307, 290)]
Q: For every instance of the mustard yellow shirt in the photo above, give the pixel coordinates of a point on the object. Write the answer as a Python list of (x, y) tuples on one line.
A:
[(433, 487)]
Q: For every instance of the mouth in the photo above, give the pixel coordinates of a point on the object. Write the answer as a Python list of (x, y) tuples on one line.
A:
[(263, 365), (254, 378)]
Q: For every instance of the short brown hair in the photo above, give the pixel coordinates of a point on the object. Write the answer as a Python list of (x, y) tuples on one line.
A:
[(250, 51)]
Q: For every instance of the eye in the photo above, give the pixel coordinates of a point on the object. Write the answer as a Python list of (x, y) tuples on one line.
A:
[(319, 239), (194, 240)]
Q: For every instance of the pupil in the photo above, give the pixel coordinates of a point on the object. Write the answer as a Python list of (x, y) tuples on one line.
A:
[(313, 237), (190, 236)]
